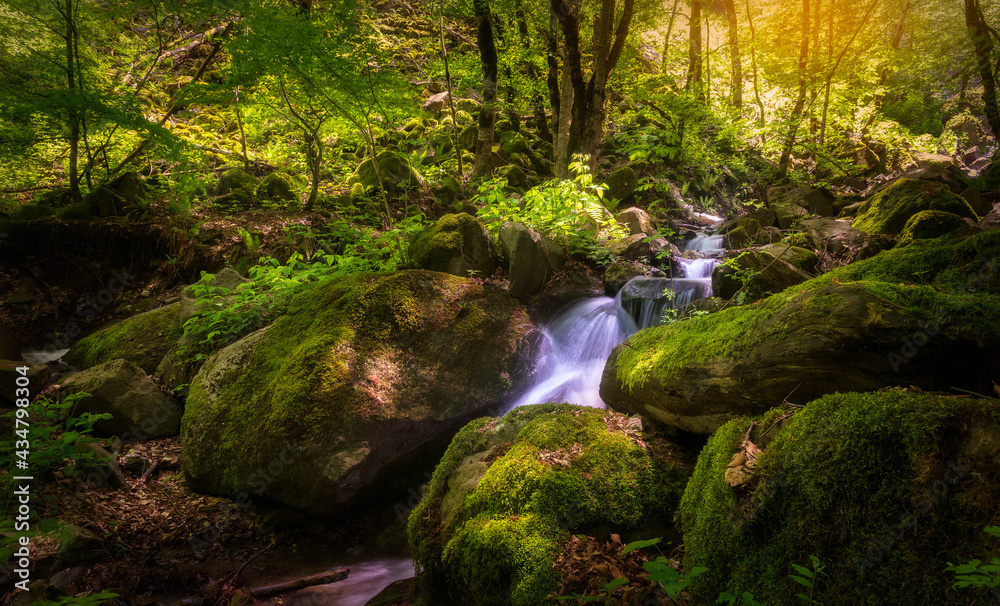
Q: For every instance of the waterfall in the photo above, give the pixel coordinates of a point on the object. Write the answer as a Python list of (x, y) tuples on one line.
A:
[(578, 341)]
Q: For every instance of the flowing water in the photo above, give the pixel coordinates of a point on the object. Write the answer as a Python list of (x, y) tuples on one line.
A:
[(366, 580), (576, 344)]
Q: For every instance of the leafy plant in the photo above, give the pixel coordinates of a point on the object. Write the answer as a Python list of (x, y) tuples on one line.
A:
[(744, 275), (737, 598), (975, 573), (661, 571), (808, 578), (93, 599)]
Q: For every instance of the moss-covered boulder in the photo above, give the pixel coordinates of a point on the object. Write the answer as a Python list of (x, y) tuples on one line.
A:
[(360, 378), (397, 174), (448, 190), (143, 340), (928, 224), (989, 178), (621, 186), (76, 212), (106, 202), (532, 258), (30, 212), (236, 179), (515, 176), (800, 258), (888, 211), (276, 186), (757, 273), (509, 492), (886, 489), (927, 314), (457, 244), (789, 204)]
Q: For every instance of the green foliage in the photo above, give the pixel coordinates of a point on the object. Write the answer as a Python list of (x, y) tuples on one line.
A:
[(744, 275), (52, 436), (975, 573), (93, 599), (808, 578)]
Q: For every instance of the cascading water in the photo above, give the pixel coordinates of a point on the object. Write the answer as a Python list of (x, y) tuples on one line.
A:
[(576, 344)]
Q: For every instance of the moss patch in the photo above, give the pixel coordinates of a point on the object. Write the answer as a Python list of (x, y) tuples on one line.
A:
[(929, 224), (142, 340), (888, 211), (509, 490), (885, 488)]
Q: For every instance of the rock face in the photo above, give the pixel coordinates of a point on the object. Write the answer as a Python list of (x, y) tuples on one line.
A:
[(790, 204), (621, 186), (397, 174), (456, 244), (533, 258), (139, 409), (769, 275), (854, 480), (638, 222), (509, 491), (360, 377), (833, 235), (888, 211), (276, 186), (143, 340), (903, 317), (38, 377), (800, 258)]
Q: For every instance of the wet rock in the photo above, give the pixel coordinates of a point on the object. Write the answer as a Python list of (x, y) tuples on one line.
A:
[(457, 244), (532, 258)]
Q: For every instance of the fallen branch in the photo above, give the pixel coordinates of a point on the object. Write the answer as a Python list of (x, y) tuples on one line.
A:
[(323, 578)]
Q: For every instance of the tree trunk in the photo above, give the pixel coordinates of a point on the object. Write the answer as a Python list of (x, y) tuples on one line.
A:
[(694, 74), (487, 114), (314, 157), (983, 46), (734, 52), (836, 64), (552, 80), (813, 91), (536, 97), (753, 65), (884, 73), (666, 39), (786, 153), (708, 63), (74, 116), (451, 100)]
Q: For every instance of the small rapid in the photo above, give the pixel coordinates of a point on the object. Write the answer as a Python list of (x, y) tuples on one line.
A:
[(576, 344)]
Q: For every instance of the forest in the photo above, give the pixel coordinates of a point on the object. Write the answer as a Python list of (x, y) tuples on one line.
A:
[(499, 302)]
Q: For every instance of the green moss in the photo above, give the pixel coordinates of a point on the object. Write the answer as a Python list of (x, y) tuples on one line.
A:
[(78, 211), (889, 210), (927, 279), (349, 353), (929, 224), (498, 508), (621, 184), (990, 176), (276, 186), (30, 212), (235, 179), (797, 239), (143, 340), (882, 487)]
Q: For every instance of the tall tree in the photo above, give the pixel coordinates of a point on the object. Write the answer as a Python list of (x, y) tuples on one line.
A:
[(734, 53), (587, 126), (753, 65), (897, 37), (796, 116), (487, 113), (980, 32), (694, 74)]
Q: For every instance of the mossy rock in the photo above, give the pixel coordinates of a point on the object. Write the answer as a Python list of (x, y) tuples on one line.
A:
[(276, 186), (467, 138), (360, 379), (130, 186), (513, 143), (886, 489), (927, 314), (143, 340), (509, 492), (800, 258), (468, 105), (448, 190), (106, 202), (990, 176), (888, 211), (515, 176), (764, 274), (928, 224), (621, 186), (236, 179), (456, 244), (78, 211), (30, 212), (414, 124), (236, 201), (789, 204), (397, 174)]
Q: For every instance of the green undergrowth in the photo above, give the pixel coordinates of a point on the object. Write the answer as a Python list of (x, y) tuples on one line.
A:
[(510, 490), (886, 488)]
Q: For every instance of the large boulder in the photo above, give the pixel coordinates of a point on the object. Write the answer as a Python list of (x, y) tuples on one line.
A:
[(139, 409), (886, 489), (904, 317), (510, 492), (277, 186), (928, 224), (888, 211), (10, 348), (800, 258), (143, 340), (791, 204), (362, 377), (757, 272), (397, 174), (989, 177), (10, 371), (533, 258), (638, 221), (236, 180), (457, 244), (621, 186), (833, 235)]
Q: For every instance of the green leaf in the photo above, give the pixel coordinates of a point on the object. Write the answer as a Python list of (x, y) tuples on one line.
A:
[(801, 581), (611, 585), (639, 545)]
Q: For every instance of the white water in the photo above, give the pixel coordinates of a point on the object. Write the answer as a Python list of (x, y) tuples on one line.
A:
[(364, 582), (576, 344), (704, 243)]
